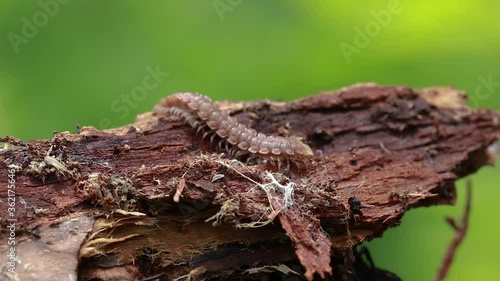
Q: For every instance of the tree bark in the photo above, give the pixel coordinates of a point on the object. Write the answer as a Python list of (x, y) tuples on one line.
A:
[(153, 198)]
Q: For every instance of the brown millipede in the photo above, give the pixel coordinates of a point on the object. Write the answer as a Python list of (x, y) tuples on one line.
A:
[(199, 112)]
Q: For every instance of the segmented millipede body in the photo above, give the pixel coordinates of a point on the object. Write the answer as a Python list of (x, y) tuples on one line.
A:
[(199, 112)]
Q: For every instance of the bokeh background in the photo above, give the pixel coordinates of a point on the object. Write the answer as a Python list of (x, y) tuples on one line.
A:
[(100, 63)]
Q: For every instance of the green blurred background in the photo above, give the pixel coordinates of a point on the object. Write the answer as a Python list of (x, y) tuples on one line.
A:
[(64, 63)]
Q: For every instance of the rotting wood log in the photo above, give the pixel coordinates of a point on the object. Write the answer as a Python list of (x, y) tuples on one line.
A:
[(99, 205)]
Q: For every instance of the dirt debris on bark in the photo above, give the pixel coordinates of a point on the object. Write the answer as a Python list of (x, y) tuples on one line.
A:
[(163, 202)]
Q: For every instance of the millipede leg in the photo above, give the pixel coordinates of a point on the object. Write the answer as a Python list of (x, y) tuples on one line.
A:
[(206, 134), (239, 153), (287, 164), (231, 152), (199, 129)]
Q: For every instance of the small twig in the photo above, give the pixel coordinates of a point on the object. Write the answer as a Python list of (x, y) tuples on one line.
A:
[(154, 277), (461, 231)]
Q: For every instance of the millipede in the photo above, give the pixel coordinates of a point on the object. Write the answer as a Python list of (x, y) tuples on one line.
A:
[(238, 139)]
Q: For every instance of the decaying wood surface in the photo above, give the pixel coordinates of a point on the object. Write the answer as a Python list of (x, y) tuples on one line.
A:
[(152, 198)]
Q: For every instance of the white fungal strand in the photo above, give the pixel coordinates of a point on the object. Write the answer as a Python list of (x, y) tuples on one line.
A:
[(199, 112)]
